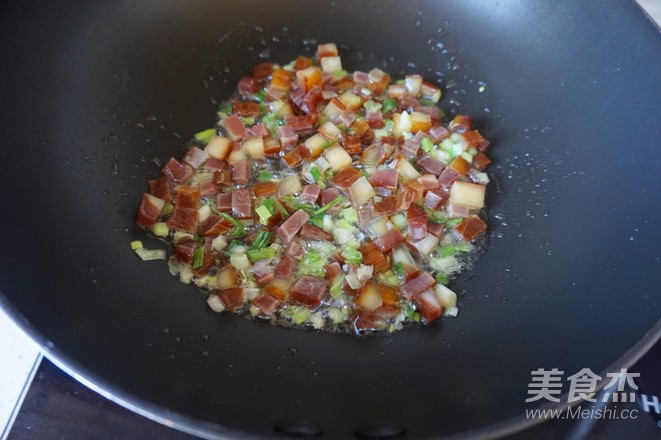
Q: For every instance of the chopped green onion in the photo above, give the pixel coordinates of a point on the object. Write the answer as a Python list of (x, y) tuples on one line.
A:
[(261, 96), (261, 254), (400, 82), (329, 205), (264, 214), (352, 255), (265, 176), (270, 124), (388, 104), (300, 315), (409, 312), (315, 173), (205, 135), (339, 74), (398, 268), (336, 286), (277, 205), (350, 215), (327, 144), (399, 220), (226, 108), (372, 106), (161, 229), (248, 120), (150, 254), (317, 221), (198, 257), (452, 222), (261, 239), (426, 144), (426, 102), (441, 278), (234, 245), (239, 230), (136, 244)]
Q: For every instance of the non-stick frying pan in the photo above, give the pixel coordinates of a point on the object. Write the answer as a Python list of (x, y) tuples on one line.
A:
[(95, 93)]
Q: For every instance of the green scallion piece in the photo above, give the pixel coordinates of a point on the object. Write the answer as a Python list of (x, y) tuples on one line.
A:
[(277, 205), (426, 144), (388, 104), (452, 222), (264, 214), (426, 102), (261, 239), (329, 205), (205, 135), (398, 268), (441, 278), (315, 173), (261, 254), (352, 255), (270, 123), (198, 257), (239, 230), (265, 176), (261, 96)]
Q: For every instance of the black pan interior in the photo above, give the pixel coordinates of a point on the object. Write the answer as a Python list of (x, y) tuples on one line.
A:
[(96, 93)]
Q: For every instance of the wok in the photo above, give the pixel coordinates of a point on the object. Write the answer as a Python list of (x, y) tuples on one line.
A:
[(95, 93)]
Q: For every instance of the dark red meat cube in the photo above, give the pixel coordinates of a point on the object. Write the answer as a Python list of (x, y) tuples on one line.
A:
[(266, 303), (418, 284), (286, 267), (178, 172), (248, 86), (233, 298), (288, 230), (240, 172), (431, 165), (389, 240), (185, 249), (150, 209), (428, 304), (310, 232), (161, 188), (416, 217), (241, 203), (308, 291)]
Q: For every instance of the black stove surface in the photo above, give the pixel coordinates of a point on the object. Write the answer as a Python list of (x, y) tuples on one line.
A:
[(56, 406)]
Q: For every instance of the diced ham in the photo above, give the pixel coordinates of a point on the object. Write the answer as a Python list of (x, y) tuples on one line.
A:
[(416, 217), (455, 210), (375, 154), (240, 172), (184, 219), (470, 228), (308, 291), (224, 202), (207, 225), (431, 165), (232, 298), (327, 196), (262, 71), (410, 149), (387, 206), (431, 110), (310, 194), (428, 182), (436, 229), (333, 270), (262, 271), (311, 100), (365, 322), (161, 188), (288, 137), (286, 267), (388, 241), (439, 133), (302, 125), (302, 62), (404, 199), (207, 188), (187, 197), (264, 189), (241, 203), (288, 230), (248, 86), (245, 108), (461, 124), (185, 249), (448, 176), (429, 305), (418, 284), (360, 78), (214, 164), (373, 256), (435, 198), (351, 143), (258, 130), (150, 208), (266, 303), (195, 157), (296, 95), (234, 127), (178, 172), (310, 232), (480, 162), (374, 118), (345, 178), (295, 250), (346, 118), (223, 177)]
